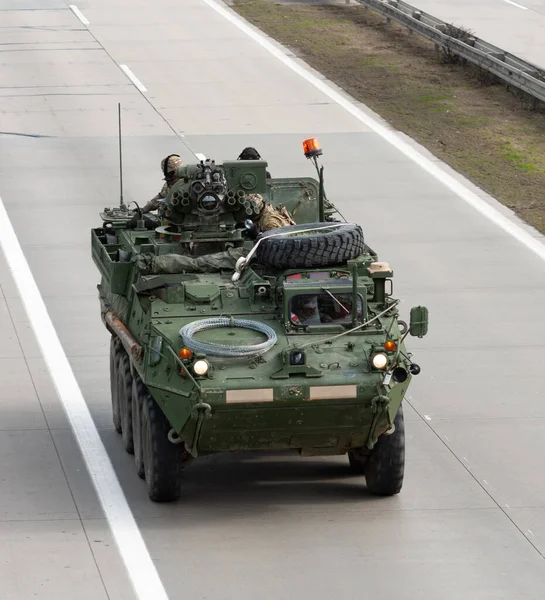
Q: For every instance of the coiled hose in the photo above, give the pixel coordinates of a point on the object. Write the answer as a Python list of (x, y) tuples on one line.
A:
[(210, 348)]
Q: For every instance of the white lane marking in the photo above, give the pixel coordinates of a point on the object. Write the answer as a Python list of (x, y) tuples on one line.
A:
[(79, 14), (200, 156), (485, 482), (427, 417), (516, 4), (389, 135), (132, 549), (464, 458), (531, 533), (133, 78)]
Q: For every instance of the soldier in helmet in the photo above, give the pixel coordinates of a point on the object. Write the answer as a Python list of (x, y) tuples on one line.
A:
[(270, 216), (168, 166), (250, 153)]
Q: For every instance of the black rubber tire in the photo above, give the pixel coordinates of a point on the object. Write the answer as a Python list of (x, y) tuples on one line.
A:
[(124, 391), (139, 394), (313, 249), (357, 460), (115, 351), (384, 469), (162, 459)]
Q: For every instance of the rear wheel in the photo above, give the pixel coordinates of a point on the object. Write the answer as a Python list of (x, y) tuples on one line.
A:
[(162, 459), (124, 392), (357, 461), (384, 466), (139, 394), (115, 351)]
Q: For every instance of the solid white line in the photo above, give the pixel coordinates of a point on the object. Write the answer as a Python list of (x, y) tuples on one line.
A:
[(133, 78), (132, 549), (515, 4), (79, 14), (389, 135)]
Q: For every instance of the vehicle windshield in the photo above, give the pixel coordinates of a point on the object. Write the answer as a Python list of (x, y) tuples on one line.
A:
[(322, 307)]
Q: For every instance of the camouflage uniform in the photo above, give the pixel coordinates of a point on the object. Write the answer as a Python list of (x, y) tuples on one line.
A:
[(270, 217), (149, 264), (173, 163)]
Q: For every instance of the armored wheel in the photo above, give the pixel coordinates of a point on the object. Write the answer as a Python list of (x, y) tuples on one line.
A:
[(384, 466), (124, 392), (162, 459), (115, 351), (139, 396)]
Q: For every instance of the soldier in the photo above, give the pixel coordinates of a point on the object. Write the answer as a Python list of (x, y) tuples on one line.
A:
[(306, 310), (168, 166), (250, 153), (270, 216)]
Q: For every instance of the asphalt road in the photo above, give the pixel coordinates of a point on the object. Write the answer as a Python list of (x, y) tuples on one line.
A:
[(516, 26), (470, 521)]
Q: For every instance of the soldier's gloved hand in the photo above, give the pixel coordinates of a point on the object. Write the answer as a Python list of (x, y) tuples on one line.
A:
[(251, 229)]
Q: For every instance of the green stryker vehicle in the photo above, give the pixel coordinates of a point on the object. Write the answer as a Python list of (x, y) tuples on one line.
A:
[(228, 338)]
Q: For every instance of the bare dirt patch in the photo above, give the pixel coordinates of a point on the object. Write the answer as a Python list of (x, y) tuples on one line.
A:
[(478, 127)]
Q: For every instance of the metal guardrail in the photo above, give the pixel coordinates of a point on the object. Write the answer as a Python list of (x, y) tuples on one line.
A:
[(508, 67)]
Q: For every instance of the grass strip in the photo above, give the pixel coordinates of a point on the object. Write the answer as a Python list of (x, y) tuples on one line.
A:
[(464, 117)]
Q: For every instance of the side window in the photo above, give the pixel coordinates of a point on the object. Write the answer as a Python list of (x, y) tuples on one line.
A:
[(314, 309)]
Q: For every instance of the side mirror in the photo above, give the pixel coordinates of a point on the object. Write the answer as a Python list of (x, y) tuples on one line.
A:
[(419, 321)]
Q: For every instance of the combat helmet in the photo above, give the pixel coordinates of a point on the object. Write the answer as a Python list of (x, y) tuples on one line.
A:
[(249, 153), (170, 164)]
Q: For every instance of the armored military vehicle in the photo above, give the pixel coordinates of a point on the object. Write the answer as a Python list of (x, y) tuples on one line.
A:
[(229, 336)]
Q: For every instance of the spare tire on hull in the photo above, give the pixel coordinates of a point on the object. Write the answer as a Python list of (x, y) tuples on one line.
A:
[(330, 246)]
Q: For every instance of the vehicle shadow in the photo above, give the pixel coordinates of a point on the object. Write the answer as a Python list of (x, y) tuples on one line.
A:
[(260, 479), (234, 484)]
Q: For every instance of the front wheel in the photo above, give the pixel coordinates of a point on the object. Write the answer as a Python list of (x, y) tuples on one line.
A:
[(162, 459), (385, 467)]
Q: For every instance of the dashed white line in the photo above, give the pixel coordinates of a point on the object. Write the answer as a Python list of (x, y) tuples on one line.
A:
[(427, 417), (431, 166), (531, 533), (133, 78), (79, 14), (464, 458), (485, 482), (132, 549), (516, 4)]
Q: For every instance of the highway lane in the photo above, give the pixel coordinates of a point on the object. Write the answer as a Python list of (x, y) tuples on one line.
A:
[(517, 26), (470, 521)]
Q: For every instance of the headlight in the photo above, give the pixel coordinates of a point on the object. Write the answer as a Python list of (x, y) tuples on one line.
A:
[(200, 367), (380, 361)]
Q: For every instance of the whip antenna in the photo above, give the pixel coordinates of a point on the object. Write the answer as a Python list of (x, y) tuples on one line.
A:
[(122, 205)]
